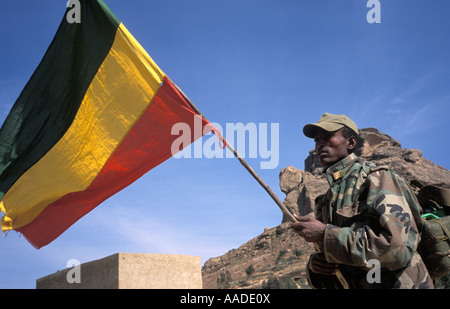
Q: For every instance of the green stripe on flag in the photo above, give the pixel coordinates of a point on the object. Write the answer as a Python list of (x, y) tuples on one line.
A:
[(50, 100)]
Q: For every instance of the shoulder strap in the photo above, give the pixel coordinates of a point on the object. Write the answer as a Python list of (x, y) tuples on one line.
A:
[(378, 168)]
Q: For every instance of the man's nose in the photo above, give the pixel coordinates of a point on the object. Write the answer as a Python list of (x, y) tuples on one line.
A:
[(320, 143)]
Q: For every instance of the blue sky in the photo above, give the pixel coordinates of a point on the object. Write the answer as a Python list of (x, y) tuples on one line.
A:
[(250, 61)]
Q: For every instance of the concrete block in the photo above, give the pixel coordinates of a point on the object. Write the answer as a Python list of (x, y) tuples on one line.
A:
[(130, 271)]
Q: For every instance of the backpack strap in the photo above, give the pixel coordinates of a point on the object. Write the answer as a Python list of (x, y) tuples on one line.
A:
[(378, 168)]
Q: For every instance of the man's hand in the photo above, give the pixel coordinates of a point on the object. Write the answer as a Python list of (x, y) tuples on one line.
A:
[(310, 229)]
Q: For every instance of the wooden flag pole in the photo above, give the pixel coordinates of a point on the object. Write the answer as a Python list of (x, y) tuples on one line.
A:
[(266, 187)]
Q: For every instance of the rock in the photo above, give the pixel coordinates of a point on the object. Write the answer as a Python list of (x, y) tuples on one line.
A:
[(276, 252), (412, 155), (290, 178), (300, 199)]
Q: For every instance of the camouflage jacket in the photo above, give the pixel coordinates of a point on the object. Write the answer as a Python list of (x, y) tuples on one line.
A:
[(371, 216)]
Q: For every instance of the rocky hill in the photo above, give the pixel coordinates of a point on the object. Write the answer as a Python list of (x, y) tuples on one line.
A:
[(277, 257)]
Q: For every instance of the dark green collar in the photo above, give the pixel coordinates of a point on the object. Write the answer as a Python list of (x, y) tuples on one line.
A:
[(339, 169)]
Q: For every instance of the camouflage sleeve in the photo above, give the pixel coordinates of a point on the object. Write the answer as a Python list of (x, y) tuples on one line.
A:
[(385, 228)]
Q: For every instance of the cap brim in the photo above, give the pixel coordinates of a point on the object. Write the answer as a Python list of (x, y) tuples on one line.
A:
[(310, 130)]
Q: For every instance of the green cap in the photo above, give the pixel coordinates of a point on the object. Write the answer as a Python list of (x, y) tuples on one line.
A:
[(329, 122)]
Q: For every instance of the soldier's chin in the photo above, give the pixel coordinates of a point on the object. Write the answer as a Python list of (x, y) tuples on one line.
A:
[(327, 161), (324, 161)]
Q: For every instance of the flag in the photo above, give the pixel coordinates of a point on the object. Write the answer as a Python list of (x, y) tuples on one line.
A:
[(94, 117)]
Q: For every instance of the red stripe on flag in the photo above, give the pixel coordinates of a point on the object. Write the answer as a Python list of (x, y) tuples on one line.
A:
[(147, 145)]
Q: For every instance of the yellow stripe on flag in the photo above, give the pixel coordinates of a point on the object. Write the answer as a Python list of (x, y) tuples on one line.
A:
[(118, 95)]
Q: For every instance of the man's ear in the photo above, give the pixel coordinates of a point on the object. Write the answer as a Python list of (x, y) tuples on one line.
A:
[(352, 141)]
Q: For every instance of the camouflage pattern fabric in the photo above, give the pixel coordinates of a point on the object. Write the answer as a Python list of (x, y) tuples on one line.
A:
[(370, 213)]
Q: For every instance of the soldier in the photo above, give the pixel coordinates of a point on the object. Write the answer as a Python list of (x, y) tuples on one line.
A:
[(369, 217)]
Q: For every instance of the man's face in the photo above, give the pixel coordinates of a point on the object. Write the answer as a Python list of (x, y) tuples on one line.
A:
[(331, 147)]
